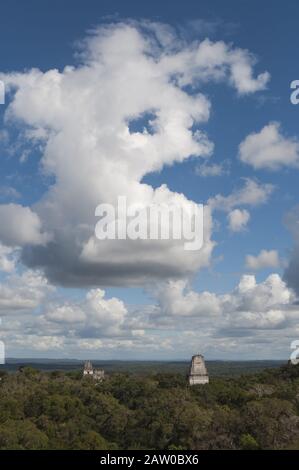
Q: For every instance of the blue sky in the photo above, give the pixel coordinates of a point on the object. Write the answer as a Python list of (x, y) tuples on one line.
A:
[(150, 317)]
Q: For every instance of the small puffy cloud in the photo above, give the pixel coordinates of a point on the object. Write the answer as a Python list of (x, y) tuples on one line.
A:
[(238, 220), (214, 169), (241, 75), (265, 259), (269, 149), (20, 226), (252, 194)]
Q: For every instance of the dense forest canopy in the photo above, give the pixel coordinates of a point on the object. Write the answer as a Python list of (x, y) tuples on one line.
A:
[(60, 410)]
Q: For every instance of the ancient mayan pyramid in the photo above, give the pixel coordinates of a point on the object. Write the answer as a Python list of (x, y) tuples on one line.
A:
[(89, 371), (198, 374)]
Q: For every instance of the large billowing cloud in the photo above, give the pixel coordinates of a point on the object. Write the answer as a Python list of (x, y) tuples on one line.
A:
[(126, 110)]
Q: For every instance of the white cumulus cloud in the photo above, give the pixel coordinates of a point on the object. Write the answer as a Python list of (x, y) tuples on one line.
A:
[(20, 226), (251, 194), (265, 259), (270, 149), (23, 292), (126, 110), (238, 219)]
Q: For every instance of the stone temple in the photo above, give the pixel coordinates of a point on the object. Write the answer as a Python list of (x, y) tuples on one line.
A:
[(89, 371), (198, 374)]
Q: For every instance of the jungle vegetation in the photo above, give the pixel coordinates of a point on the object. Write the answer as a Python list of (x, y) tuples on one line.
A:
[(61, 410)]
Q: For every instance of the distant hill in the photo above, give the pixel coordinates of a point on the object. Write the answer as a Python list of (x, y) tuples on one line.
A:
[(215, 368)]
